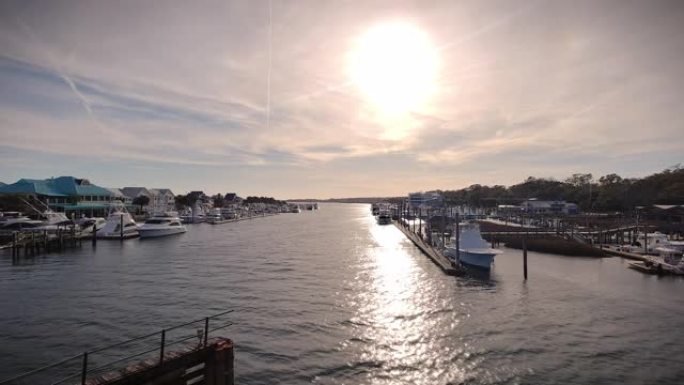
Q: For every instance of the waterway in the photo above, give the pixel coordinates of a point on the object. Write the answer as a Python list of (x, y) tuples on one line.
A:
[(330, 297)]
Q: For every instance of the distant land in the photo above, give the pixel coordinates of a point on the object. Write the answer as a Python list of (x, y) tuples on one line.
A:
[(351, 200)]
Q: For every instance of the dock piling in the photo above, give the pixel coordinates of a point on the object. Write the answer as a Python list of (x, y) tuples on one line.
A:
[(84, 369), (94, 235), (161, 348), (524, 247), (121, 227)]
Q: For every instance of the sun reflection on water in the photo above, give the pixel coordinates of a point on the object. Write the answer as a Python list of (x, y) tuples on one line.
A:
[(401, 338)]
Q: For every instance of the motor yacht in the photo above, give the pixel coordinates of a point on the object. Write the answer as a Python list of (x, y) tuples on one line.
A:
[(473, 250), (119, 224), (161, 225)]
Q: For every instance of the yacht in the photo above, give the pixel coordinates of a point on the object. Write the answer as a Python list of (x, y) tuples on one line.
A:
[(15, 220), (473, 251), (118, 216), (161, 225), (384, 217), (87, 223), (653, 242)]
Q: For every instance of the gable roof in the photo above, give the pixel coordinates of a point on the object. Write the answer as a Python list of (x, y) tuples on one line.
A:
[(134, 192)]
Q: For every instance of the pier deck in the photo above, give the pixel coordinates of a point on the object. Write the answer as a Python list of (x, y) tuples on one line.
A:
[(443, 262)]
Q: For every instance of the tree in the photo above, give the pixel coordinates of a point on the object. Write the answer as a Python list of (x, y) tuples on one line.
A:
[(218, 200), (142, 200)]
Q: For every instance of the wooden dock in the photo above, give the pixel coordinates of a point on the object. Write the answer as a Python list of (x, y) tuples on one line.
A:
[(435, 256), (224, 221)]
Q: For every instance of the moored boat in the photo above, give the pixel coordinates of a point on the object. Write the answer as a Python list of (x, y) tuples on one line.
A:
[(160, 226), (119, 225), (473, 250)]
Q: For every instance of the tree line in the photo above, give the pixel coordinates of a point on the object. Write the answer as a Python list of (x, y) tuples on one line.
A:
[(607, 193)]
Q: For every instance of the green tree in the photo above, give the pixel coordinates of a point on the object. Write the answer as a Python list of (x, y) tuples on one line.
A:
[(141, 201)]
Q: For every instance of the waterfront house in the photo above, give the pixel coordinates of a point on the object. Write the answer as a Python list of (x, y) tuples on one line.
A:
[(535, 206), (119, 196), (65, 194), (425, 199), (163, 200), (133, 193)]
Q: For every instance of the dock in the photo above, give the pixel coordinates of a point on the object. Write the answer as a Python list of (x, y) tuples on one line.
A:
[(433, 254), (187, 353), (233, 220)]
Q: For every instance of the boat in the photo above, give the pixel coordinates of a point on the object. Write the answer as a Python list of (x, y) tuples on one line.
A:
[(384, 218), (161, 225), (87, 223), (118, 216), (473, 251), (14, 220)]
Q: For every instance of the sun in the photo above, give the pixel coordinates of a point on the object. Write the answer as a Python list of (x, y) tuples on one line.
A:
[(395, 67)]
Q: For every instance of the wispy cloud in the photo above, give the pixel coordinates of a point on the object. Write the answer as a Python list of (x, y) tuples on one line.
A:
[(260, 89)]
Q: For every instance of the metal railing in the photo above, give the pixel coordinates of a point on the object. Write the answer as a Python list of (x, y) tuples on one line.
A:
[(83, 366)]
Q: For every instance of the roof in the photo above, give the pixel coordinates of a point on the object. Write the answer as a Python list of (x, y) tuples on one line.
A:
[(134, 192), (160, 191), (55, 187), (115, 192)]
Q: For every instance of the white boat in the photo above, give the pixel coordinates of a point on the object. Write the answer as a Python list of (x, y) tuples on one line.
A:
[(160, 226), (384, 217), (653, 241), (473, 251), (87, 223), (14, 220), (112, 229)]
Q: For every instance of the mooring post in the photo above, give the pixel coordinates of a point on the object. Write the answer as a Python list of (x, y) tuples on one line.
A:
[(14, 244), (84, 369), (121, 227), (161, 348), (45, 241), (524, 246), (95, 234), (206, 331), (458, 238)]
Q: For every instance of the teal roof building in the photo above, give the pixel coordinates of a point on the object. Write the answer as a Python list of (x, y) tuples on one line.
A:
[(65, 193)]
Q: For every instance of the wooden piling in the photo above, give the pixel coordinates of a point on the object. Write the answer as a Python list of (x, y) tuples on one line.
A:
[(94, 234), (524, 247), (121, 227)]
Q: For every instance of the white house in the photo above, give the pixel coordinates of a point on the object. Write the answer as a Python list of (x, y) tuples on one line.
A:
[(162, 200), (535, 206)]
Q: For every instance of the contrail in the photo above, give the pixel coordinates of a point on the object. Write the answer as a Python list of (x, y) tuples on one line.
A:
[(268, 71), (55, 67)]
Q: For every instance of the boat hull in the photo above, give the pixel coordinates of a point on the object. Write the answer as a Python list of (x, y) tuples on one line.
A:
[(154, 233), (126, 235), (480, 261)]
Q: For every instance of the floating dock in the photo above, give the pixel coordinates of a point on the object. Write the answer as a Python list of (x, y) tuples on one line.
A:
[(223, 221), (440, 260)]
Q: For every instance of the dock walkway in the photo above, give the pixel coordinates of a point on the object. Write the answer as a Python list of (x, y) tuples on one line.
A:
[(443, 262)]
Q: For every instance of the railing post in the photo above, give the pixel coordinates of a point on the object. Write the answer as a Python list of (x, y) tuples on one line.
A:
[(206, 331), (161, 349), (84, 369)]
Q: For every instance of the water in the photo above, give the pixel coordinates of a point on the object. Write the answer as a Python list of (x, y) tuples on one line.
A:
[(330, 297)]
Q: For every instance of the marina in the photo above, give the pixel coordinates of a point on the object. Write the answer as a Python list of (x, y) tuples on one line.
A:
[(468, 328)]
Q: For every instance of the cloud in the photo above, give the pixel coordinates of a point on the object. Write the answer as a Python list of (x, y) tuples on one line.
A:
[(190, 84)]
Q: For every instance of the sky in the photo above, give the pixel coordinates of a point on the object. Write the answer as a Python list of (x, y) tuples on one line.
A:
[(320, 99)]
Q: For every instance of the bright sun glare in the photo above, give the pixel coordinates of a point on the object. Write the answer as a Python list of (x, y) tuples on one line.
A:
[(395, 66)]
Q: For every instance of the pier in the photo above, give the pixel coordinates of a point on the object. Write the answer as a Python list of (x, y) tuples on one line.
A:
[(433, 254), (181, 354)]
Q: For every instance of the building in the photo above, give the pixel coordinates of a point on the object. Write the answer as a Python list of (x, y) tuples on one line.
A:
[(425, 199), (65, 194), (163, 200), (119, 196), (535, 206), (134, 193)]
